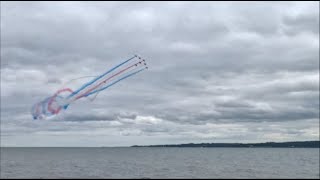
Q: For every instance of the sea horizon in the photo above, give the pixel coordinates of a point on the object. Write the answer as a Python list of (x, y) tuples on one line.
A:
[(180, 144)]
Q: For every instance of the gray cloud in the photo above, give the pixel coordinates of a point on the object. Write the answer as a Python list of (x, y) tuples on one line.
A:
[(219, 71), (301, 24)]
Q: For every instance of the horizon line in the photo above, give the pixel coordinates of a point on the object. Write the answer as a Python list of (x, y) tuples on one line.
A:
[(154, 144)]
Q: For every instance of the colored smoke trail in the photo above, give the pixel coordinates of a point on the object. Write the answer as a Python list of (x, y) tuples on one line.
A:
[(52, 105)]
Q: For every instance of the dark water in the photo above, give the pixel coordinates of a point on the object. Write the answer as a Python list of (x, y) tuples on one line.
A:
[(159, 163)]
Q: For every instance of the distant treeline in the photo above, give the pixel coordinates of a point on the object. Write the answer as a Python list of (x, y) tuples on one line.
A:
[(298, 144)]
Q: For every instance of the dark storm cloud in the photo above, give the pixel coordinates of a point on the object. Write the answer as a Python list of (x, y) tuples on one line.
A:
[(217, 69)]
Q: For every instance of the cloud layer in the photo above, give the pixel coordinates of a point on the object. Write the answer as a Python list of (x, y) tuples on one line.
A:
[(219, 71)]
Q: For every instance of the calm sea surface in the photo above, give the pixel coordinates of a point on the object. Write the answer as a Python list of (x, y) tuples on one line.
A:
[(159, 163)]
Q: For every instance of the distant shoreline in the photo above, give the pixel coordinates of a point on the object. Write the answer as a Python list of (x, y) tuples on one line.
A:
[(293, 144)]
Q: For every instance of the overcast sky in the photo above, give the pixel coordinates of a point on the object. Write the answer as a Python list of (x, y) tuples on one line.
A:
[(218, 72)]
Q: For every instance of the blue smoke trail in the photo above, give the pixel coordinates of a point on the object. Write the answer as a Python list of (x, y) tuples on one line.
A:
[(131, 74), (92, 81)]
